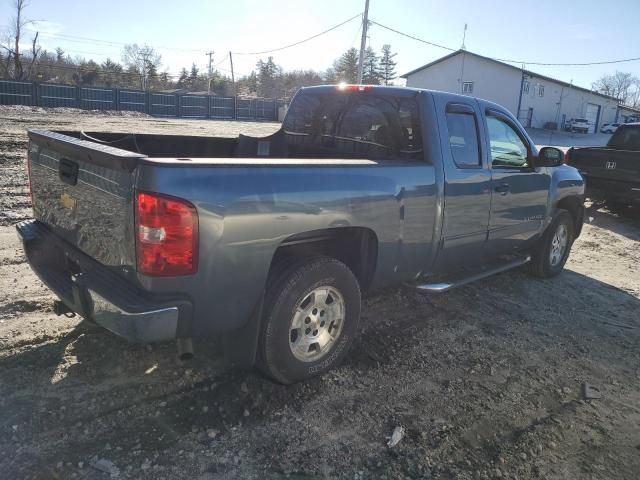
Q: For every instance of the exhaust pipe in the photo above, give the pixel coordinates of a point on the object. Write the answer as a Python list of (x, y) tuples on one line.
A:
[(185, 348), (60, 308)]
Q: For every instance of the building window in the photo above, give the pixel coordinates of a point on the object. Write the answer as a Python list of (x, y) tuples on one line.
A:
[(467, 87), (541, 90), (525, 87)]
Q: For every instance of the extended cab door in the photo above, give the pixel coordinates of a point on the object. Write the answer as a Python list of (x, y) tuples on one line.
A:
[(467, 183), (519, 191)]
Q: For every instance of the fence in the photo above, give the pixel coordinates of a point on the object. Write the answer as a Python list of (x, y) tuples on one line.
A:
[(157, 104)]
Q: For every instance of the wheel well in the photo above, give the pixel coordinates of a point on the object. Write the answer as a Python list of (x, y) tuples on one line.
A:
[(356, 247), (575, 209)]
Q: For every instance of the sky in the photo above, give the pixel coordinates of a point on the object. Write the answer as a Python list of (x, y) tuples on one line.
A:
[(182, 32)]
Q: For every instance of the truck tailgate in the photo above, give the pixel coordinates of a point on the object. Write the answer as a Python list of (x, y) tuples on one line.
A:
[(607, 163), (84, 193)]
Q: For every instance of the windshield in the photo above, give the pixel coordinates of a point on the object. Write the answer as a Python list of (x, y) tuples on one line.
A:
[(369, 125)]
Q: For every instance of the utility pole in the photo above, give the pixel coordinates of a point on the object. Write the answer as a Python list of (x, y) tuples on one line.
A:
[(235, 91), (210, 55), (363, 41)]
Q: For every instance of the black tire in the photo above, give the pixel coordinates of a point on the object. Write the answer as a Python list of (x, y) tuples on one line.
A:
[(541, 263), (285, 292)]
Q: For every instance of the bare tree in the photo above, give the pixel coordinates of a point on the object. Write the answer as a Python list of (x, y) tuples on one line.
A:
[(142, 60), (35, 53), (619, 85), (12, 41), (634, 97)]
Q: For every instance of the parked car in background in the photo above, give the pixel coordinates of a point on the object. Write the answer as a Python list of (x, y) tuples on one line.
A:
[(268, 243), (612, 173), (609, 127), (580, 125)]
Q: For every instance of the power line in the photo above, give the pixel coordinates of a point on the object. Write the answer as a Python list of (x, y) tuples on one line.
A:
[(412, 37), (575, 64), (75, 38), (605, 62), (300, 41)]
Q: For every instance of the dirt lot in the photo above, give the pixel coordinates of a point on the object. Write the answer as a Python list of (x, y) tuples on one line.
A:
[(486, 380)]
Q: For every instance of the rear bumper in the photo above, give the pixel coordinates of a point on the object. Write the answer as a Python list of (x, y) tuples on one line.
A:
[(97, 293), (612, 190)]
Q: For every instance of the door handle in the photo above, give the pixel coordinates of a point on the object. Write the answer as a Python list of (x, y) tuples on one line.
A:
[(502, 189)]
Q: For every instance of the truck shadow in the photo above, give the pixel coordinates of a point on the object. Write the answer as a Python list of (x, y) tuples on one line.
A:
[(500, 305), (95, 390), (624, 222)]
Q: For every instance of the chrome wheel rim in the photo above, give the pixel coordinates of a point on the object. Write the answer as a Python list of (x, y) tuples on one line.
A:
[(316, 324), (559, 244)]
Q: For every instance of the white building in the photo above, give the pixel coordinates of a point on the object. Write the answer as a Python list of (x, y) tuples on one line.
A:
[(628, 114), (536, 100)]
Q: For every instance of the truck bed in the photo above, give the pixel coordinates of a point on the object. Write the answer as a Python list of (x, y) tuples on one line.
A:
[(266, 200)]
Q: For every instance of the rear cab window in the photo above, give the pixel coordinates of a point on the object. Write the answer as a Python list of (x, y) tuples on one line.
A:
[(462, 125), (626, 137), (369, 125)]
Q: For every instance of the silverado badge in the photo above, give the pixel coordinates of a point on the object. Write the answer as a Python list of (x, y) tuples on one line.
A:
[(67, 201)]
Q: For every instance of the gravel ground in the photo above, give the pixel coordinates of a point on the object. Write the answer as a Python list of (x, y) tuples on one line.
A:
[(485, 382)]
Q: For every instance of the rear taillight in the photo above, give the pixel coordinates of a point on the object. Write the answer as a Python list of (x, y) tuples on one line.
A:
[(166, 235), (29, 173)]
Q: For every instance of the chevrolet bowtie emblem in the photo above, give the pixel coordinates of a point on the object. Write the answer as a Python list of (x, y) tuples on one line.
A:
[(67, 201)]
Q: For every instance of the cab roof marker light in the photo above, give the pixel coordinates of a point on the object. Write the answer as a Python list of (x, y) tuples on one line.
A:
[(344, 87)]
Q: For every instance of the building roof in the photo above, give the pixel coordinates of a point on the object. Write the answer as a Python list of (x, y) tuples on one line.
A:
[(528, 72), (630, 109)]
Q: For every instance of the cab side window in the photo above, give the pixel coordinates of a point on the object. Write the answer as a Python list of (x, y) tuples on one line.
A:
[(507, 148), (463, 139)]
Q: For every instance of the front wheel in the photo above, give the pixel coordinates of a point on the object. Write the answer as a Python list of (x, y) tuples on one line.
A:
[(312, 310), (553, 249)]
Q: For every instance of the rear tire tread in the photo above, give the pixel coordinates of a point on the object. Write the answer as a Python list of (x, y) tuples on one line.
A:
[(280, 284)]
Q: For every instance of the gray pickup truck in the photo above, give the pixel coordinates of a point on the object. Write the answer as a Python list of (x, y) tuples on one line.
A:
[(270, 242)]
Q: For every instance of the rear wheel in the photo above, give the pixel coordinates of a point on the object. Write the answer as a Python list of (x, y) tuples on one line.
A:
[(552, 251), (311, 316)]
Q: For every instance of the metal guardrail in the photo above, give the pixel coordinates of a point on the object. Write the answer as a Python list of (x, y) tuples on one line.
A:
[(157, 104)]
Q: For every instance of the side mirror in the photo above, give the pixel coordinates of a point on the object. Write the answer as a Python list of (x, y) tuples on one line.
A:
[(549, 157)]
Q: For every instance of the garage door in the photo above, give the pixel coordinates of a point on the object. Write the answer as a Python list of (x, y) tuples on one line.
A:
[(592, 115)]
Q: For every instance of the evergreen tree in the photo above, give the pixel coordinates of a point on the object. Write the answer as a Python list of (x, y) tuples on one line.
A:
[(387, 65), (268, 78), (60, 55), (111, 73), (193, 75), (371, 74), (183, 79), (164, 80), (346, 67)]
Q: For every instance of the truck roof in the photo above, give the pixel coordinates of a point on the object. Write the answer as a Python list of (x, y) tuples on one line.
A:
[(390, 89)]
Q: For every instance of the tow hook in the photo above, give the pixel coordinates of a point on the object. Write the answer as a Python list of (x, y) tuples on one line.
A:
[(60, 308)]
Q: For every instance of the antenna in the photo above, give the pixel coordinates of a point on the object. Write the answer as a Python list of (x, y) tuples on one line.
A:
[(464, 36)]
